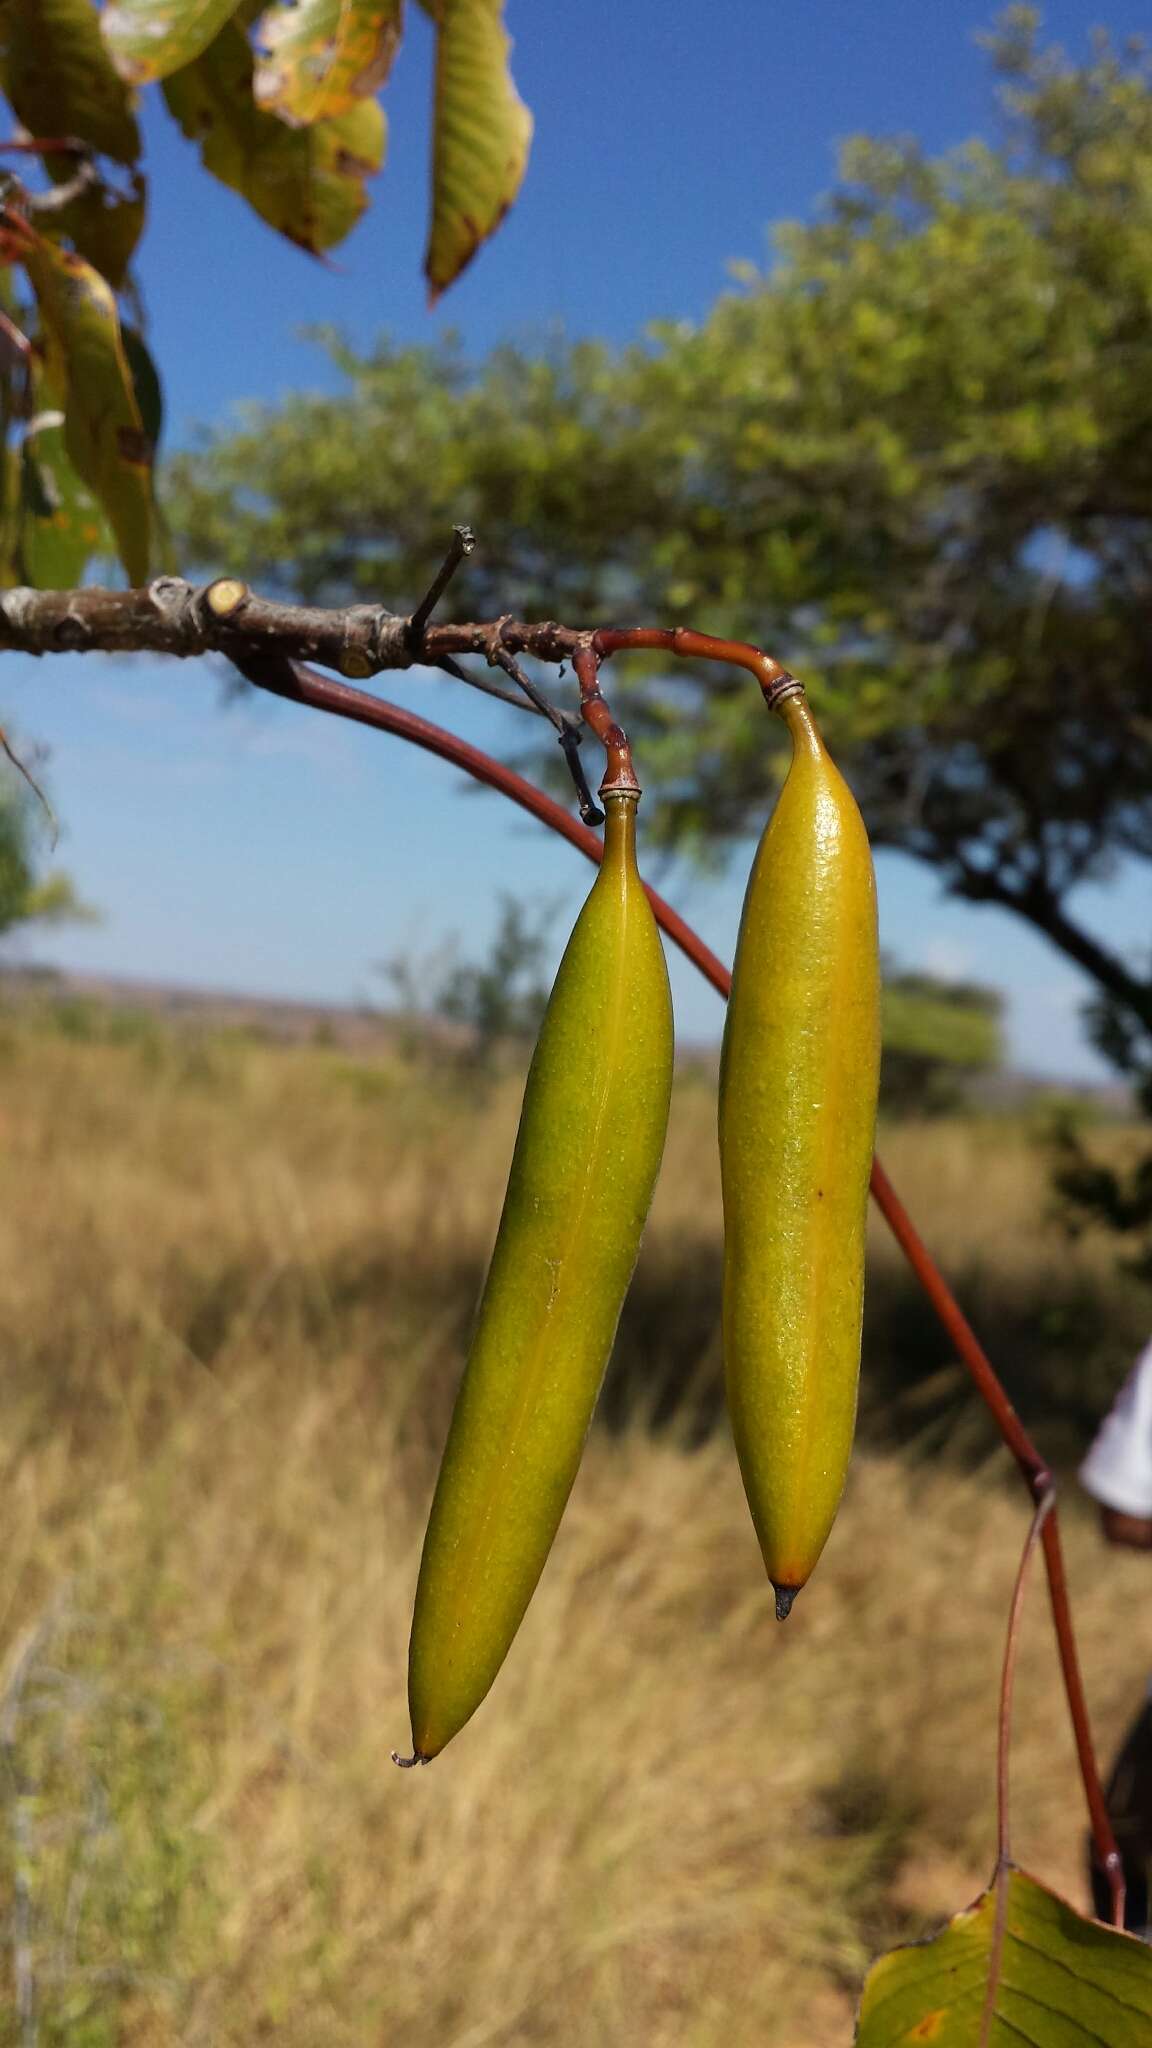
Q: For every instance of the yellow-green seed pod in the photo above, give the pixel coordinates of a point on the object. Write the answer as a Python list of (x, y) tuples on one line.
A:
[(591, 1136), (798, 1084)]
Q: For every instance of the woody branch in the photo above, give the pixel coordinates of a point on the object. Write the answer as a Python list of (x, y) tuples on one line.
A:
[(170, 616)]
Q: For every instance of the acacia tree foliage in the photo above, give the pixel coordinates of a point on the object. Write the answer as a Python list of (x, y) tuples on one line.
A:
[(914, 458), (938, 1037), (494, 1000)]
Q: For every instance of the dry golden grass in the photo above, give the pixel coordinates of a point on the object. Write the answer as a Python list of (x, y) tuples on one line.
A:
[(234, 1289)]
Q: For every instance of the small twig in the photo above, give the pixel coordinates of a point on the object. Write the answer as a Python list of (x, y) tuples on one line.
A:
[(590, 811), (1003, 1872), (1044, 1507), (481, 683), (462, 544), (46, 145), (23, 769), (567, 727), (85, 178), (499, 657)]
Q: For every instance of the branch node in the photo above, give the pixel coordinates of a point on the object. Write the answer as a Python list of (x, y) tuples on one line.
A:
[(17, 609), (226, 597), (1042, 1486), (367, 644), (356, 662), (71, 634), (781, 686), (495, 652), (177, 604)]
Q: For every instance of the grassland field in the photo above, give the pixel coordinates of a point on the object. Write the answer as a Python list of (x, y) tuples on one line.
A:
[(236, 1281)]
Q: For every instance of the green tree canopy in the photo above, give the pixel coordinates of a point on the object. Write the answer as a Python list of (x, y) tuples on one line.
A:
[(913, 458), (28, 895), (938, 1037)]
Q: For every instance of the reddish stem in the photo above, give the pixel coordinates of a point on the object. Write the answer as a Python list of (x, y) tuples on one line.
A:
[(305, 686), (620, 773), (975, 1358), (45, 145), (1040, 1484), (689, 645)]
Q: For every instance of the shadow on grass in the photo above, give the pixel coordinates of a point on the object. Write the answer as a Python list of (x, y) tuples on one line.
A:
[(1061, 1340)]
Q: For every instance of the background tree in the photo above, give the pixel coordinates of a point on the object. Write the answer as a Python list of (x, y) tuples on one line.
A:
[(28, 893), (914, 457), (939, 1037), (490, 1003)]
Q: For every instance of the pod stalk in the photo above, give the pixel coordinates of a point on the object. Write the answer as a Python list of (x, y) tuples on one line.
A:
[(619, 772)]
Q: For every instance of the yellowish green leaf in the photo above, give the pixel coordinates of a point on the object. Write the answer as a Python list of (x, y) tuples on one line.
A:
[(481, 136), (152, 38), (61, 525), (318, 57), (103, 431), (306, 182), (1018, 1966), (56, 71)]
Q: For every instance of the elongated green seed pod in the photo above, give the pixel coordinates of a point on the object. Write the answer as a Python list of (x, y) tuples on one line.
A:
[(591, 1136), (798, 1084)]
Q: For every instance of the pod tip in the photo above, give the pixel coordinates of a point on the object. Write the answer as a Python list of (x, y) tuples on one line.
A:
[(408, 1763), (785, 1595)]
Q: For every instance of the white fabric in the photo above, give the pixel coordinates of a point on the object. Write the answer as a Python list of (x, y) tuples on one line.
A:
[(1118, 1468)]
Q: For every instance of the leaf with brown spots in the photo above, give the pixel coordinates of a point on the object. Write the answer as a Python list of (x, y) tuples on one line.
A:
[(308, 183), (103, 430), (318, 57), (481, 136), (1018, 1969)]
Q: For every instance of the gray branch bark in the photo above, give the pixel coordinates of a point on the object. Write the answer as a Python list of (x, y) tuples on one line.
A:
[(173, 617)]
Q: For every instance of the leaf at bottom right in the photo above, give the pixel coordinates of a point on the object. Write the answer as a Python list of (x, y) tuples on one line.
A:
[(1019, 1968)]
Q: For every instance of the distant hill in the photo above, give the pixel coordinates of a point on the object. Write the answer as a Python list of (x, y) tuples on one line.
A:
[(953, 1028)]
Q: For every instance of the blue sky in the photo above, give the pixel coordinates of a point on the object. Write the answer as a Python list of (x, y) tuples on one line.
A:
[(267, 849)]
